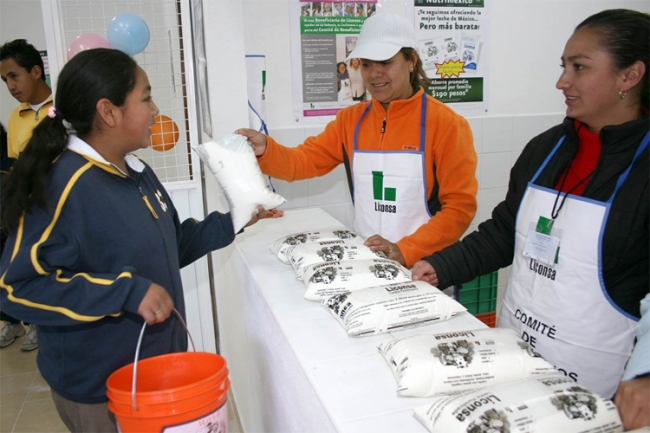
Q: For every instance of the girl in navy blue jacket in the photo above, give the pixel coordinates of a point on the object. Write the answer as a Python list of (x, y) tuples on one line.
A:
[(95, 244)]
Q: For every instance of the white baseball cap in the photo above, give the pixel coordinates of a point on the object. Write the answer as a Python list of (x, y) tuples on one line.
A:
[(382, 36)]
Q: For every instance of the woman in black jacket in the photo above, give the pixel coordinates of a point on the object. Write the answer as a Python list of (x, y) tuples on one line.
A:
[(574, 224)]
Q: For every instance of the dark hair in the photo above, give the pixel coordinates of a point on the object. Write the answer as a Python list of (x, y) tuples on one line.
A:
[(23, 53), (418, 76), (625, 35), (88, 77), (5, 161)]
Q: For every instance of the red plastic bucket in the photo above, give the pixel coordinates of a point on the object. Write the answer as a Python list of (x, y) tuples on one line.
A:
[(179, 392)]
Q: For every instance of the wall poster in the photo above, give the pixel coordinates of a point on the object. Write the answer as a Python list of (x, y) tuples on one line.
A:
[(453, 43), (322, 35), (452, 38), (46, 66)]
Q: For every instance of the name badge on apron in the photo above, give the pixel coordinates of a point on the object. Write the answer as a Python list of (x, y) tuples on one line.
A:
[(543, 241)]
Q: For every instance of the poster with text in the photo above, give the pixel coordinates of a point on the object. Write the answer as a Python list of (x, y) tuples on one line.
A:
[(46, 66), (453, 43), (322, 36)]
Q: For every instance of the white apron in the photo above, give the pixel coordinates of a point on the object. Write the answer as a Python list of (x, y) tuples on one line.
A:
[(562, 309), (389, 188)]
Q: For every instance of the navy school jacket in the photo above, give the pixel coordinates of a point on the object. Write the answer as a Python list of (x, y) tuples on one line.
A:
[(80, 267)]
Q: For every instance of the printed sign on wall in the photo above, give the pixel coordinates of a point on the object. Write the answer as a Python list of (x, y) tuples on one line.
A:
[(322, 36), (452, 40), (453, 44)]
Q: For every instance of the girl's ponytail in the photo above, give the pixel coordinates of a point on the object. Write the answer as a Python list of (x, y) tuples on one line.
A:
[(25, 185)]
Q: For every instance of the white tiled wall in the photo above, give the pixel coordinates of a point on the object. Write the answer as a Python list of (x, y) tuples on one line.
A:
[(498, 141)]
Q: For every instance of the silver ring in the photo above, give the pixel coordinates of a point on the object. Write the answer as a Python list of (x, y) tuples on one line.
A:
[(157, 312)]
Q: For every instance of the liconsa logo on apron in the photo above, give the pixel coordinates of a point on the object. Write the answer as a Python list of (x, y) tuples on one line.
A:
[(390, 188), (380, 194)]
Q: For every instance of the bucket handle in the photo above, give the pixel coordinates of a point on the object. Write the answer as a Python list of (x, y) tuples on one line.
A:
[(137, 355)]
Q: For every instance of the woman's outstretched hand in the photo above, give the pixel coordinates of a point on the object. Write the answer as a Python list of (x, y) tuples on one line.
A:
[(255, 138), (392, 251), (423, 271)]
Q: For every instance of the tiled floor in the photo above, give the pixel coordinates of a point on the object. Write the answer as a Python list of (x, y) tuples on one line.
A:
[(25, 401)]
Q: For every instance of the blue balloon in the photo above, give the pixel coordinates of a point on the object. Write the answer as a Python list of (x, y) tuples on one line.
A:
[(128, 33)]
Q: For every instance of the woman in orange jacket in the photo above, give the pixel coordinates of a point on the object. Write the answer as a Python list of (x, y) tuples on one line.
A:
[(410, 159)]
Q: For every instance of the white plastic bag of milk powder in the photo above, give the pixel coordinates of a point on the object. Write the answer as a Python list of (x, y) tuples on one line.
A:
[(324, 280), (282, 245), (232, 161), (303, 255), (391, 307), (549, 403), (426, 365)]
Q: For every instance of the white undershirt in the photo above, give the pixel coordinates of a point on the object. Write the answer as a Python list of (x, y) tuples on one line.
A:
[(38, 106)]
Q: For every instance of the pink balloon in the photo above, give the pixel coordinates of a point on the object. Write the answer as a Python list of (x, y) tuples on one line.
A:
[(86, 41)]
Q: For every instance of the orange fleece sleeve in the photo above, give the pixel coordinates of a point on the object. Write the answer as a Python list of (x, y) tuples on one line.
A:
[(317, 156), (455, 160)]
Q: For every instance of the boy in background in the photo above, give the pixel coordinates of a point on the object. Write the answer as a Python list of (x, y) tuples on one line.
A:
[(22, 70)]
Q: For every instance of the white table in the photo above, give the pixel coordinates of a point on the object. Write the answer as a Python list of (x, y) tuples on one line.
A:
[(292, 366)]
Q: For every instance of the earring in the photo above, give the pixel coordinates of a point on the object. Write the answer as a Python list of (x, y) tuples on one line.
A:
[(622, 94)]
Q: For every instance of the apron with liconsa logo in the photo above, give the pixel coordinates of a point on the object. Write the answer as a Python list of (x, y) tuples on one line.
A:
[(561, 307), (389, 188)]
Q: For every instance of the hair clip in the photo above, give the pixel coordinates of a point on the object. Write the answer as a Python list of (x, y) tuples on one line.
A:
[(51, 113)]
